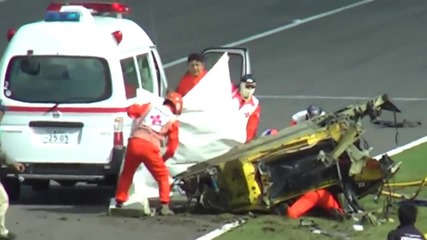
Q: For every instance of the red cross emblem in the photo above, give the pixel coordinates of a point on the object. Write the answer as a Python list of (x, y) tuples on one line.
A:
[(155, 120)]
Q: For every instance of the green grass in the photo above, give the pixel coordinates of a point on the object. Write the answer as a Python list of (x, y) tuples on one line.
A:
[(274, 227)]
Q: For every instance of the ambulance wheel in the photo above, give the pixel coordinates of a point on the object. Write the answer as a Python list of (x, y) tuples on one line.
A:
[(40, 185), (12, 186), (109, 181), (112, 180), (67, 183)]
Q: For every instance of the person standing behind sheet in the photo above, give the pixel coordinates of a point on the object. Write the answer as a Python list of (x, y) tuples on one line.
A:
[(248, 104), (196, 71)]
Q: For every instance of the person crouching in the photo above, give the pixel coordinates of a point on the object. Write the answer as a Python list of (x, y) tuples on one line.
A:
[(152, 124)]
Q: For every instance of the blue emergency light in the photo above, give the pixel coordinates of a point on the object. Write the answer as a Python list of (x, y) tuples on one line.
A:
[(54, 16)]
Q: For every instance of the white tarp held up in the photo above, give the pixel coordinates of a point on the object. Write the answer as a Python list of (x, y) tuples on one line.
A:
[(210, 125)]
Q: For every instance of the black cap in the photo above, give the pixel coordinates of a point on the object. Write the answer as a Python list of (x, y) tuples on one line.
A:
[(248, 78)]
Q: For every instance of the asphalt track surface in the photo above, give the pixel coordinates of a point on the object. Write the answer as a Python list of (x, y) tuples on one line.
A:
[(372, 49)]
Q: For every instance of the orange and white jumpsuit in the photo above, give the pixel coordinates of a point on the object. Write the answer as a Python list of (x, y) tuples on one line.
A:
[(318, 198), (252, 111), (300, 116), (152, 124), (188, 82)]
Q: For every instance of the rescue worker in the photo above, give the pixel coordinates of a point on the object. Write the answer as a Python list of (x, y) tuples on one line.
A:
[(248, 104), (4, 199), (318, 198), (407, 214), (152, 124), (304, 115), (196, 71), (321, 198)]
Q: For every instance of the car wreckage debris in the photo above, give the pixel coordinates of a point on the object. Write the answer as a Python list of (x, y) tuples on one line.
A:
[(272, 171), (315, 228), (392, 124)]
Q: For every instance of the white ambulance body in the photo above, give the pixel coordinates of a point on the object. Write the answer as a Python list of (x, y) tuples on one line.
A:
[(66, 82)]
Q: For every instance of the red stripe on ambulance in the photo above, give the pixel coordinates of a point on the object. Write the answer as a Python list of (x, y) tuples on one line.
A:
[(65, 109)]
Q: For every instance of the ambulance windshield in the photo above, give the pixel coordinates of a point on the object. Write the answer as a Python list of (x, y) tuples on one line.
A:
[(58, 79)]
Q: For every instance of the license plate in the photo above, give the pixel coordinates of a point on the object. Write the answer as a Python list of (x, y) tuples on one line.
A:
[(56, 137)]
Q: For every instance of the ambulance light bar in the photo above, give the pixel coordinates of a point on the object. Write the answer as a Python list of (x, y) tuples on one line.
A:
[(52, 16), (97, 7)]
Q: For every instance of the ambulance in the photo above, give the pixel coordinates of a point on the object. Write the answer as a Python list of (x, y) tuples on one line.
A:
[(66, 81)]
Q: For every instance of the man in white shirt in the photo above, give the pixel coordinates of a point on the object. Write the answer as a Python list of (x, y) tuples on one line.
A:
[(304, 115), (5, 234)]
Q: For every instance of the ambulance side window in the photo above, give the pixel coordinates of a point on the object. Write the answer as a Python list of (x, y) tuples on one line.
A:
[(145, 72), (130, 77)]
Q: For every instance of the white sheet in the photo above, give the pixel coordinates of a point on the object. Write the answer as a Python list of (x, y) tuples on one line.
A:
[(210, 126)]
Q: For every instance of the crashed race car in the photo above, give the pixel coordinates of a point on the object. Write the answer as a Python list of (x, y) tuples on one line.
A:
[(323, 152)]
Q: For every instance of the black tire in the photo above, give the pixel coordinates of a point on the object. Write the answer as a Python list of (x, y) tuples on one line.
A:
[(112, 179), (109, 181), (67, 183), (13, 187), (40, 185)]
